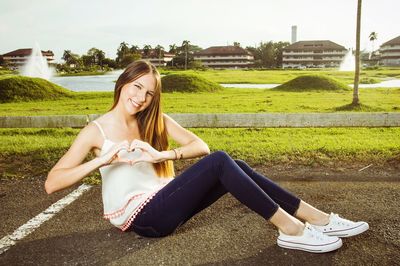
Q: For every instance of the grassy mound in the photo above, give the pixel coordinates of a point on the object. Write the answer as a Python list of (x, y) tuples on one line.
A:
[(312, 83), (358, 107), (369, 81), (6, 72), (18, 88), (188, 83)]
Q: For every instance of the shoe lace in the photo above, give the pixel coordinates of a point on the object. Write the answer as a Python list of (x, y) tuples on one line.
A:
[(314, 233)]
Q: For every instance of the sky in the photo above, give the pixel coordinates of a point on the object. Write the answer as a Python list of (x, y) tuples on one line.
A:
[(59, 25)]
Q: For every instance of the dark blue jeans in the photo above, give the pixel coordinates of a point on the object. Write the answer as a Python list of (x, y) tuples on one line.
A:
[(204, 183)]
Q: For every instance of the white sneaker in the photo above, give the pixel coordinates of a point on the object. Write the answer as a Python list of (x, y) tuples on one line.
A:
[(341, 227), (312, 240)]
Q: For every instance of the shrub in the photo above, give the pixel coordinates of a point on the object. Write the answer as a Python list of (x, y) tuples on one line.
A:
[(369, 81)]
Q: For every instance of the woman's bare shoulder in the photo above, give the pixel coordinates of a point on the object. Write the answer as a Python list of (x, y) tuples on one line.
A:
[(91, 133), (167, 119), (103, 119)]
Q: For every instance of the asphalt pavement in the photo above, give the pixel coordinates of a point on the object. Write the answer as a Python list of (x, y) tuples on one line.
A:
[(226, 233)]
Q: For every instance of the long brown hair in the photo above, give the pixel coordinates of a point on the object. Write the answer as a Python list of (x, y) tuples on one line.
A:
[(150, 120)]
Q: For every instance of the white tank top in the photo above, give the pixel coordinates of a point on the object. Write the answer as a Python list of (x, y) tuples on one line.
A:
[(126, 189)]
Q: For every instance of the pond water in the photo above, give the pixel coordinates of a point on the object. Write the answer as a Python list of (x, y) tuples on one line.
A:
[(88, 83), (107, 82), (394, 83), (250, 86)]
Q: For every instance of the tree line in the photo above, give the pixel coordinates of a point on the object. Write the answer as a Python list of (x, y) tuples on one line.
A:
[(266, 55)]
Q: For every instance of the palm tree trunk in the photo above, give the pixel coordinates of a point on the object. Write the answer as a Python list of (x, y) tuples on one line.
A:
[(186, 58), (356, 99)]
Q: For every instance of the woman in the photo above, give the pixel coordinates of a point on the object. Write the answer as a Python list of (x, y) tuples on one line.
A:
[(138, 189)]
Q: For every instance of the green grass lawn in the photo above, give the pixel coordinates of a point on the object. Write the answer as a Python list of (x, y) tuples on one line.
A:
[(32, 152), (226, 101), (280, 76), (83, 73), (277, 76), (7, 72)]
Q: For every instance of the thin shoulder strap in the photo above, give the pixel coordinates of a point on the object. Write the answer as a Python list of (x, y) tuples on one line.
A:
[(100, 128)]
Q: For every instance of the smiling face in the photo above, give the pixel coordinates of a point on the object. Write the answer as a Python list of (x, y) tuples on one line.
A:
[(138, 89), (137, 95)]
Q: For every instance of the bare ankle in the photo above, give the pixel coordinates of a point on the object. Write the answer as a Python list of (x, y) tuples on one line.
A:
[(293, 229), (321, 220)]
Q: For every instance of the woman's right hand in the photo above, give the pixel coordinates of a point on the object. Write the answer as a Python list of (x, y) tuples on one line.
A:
[(112, 157)]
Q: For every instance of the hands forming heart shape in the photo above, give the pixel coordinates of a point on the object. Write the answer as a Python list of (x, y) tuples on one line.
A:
[(136, 151)]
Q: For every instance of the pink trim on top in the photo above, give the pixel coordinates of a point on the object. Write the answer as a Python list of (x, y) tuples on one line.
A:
[(128, 223), (121, 211)]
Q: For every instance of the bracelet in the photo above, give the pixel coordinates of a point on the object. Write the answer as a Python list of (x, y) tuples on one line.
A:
[(176, 155)]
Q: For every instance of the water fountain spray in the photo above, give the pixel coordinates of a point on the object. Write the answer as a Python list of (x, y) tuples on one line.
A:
[(36, 65)]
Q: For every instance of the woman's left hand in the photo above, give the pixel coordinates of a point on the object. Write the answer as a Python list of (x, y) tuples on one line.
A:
[(149, 154)]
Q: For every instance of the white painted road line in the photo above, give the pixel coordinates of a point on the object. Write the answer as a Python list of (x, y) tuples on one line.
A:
[(24, 230)]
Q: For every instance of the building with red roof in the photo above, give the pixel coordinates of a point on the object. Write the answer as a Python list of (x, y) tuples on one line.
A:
[(157, 58), (390, 52), (225, 57), (18, 57), (318, 53)]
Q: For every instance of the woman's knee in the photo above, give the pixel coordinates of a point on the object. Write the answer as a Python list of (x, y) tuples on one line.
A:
[(149, 231), (245, 167), (241, 163), (220, 155)]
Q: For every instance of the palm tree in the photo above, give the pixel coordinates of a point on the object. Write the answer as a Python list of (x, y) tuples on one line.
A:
[(236, 44), (100, 56), (134, 49), (186, 44), (160, 52), (373, 37), (67, 55), (70, 58), (122, 50), (97, 56), (356, 100), (172, 48), (123, 47), (91, 56), (146, 49)]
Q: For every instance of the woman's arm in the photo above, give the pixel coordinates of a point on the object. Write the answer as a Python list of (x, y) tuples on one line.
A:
[(191, 145), (69, 169)]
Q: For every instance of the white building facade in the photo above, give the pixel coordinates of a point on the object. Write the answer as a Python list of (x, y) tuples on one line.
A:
[(390, 52), (308, 54), (221, 57), (17, 58), (158, 59)]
